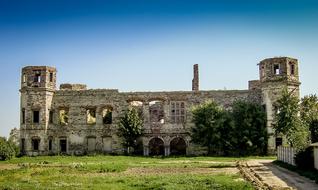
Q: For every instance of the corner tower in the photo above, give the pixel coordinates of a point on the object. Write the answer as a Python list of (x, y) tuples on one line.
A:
[(38, 84), (275, 75)]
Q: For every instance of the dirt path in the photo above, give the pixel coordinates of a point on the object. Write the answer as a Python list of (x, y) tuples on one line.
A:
[(279, 178), (152, 171), (8, 166)]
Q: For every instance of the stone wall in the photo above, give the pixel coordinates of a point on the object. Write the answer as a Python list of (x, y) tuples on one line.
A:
[(80, 135), (84, 130)]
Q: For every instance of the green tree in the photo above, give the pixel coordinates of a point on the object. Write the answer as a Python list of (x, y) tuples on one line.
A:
[(250, 128), (309, 115), (7, 149), (287, 121), (130, 128), (207, 120), (228, 140)]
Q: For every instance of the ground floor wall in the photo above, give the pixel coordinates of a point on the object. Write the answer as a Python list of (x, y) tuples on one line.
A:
[(41, 142)]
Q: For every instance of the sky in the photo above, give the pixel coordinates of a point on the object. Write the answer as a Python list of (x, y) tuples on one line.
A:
[(151, 45)]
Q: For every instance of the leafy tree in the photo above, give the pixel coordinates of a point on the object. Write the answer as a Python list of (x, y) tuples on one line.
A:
[(229, 138), (130, 128), (250, 128), (309, 115), (7, 149), (288, 122), (241, 131), (207, 120)]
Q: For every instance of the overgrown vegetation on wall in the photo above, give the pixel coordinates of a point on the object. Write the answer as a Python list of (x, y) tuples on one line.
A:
[(237, 132)]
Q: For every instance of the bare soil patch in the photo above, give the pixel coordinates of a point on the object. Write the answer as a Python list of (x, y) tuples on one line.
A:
[(154, 171), (9, 166)]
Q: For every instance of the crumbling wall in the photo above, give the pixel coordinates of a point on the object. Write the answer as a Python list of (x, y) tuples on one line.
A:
[(80, 134)]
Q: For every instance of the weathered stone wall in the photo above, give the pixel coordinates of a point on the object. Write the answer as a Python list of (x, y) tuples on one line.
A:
[(78, 132), (68, 86), (83, 137)]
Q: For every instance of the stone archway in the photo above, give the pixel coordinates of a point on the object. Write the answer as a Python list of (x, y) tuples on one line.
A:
[(178, 146), (156, 147)]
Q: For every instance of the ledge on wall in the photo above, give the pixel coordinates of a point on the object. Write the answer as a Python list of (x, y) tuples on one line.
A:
[(68, 86)]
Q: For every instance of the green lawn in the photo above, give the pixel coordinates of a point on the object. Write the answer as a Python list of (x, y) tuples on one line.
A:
[(121, 172)]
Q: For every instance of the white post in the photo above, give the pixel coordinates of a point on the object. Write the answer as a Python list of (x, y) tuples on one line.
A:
[(315, 145)]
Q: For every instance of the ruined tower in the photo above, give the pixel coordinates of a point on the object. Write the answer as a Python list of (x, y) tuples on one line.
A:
[(38, 84), (195, 80), (275, 75)]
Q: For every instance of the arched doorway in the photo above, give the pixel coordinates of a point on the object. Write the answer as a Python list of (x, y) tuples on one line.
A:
[(178, 147), (156, 147)]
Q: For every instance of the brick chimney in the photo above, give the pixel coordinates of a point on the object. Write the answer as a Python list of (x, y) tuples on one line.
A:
[(195, 80)]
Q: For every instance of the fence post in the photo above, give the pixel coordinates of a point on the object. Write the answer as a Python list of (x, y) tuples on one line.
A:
[(315, 145), (287, 154)]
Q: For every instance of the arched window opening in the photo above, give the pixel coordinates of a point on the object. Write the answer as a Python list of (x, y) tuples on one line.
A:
[(156, 147), (178, 147)]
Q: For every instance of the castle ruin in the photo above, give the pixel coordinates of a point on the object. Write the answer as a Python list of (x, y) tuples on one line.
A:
[(75, 120)]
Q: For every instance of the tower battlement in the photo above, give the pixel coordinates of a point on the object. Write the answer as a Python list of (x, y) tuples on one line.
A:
[(38, 77)]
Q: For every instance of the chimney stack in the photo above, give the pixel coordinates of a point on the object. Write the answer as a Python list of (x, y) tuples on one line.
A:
[(195, 80)]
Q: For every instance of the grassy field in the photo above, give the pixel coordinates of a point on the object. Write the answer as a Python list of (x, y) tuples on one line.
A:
[(121, 172)]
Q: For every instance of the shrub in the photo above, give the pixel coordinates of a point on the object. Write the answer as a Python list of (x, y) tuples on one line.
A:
[(7, 149), (305, 159), (238, 132)]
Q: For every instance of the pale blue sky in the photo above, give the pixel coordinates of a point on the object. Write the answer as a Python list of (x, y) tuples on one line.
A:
[(151, 45)]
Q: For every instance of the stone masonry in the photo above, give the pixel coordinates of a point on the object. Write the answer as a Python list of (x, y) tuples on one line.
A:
[(76, 120)]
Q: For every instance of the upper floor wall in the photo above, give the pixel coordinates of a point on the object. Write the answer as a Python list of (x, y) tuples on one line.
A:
[(91, 109)]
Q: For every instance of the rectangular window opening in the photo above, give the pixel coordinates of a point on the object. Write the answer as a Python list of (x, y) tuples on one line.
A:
[(50, 144), (63, 116), (37, 77), (63, 145), (91, 116), (177, 114), (51, 77), (23, 116), (23, 78), (51, 116), (276, 69), (36, 116), (292, 69), (156, 111), (263, 71), (107, 116), (279, 142), (35, 144)]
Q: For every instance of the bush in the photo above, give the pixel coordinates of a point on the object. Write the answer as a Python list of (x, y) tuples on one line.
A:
[(7, 149), (238, 132), (305, 159)]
